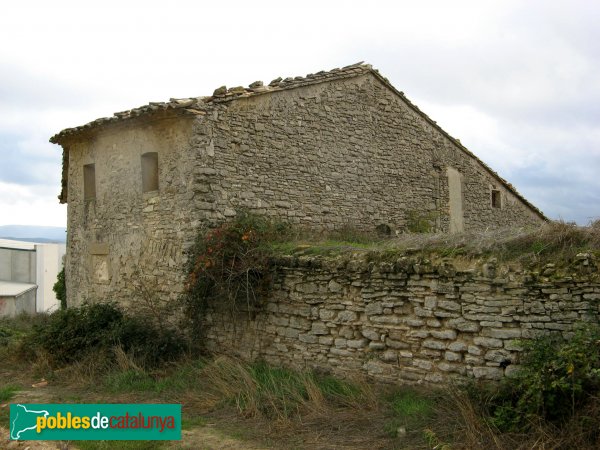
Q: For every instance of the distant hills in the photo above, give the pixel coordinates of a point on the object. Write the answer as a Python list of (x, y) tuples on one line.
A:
[(32, 233)]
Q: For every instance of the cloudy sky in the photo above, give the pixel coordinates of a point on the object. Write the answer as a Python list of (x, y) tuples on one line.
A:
[(518, 82)]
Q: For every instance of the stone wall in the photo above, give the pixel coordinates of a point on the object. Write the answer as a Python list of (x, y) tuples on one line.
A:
[(347, 152), (126, 243), (409, 319)]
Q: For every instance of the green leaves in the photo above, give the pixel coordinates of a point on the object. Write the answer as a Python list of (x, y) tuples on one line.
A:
[(557, 377)]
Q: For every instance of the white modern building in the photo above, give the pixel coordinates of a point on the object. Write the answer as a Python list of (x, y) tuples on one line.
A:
[(28, 272)]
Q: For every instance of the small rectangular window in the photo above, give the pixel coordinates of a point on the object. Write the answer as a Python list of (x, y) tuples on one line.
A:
[(150, 172), (496, 199), (89, 182)]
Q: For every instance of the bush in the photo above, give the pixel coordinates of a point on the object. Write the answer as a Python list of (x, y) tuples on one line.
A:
[(558, 378), (70, 335), (60, 289), (228, 265)]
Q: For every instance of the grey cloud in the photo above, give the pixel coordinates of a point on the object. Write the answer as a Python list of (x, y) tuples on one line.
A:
[(27, 166), (26, 89)]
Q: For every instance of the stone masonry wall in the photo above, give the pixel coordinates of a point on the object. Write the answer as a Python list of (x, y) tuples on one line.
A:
[(126, 243), (346, 152), (408, 320)]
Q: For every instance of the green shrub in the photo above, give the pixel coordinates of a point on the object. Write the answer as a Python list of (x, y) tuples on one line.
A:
[(227, 266), (71, 334), (557, 378), (60, 289)]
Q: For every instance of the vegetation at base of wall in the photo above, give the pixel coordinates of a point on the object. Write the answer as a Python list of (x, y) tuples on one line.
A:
[(277, 393), (552, 403), (558, 379), (228, 267), (60, 289), (68, 336)]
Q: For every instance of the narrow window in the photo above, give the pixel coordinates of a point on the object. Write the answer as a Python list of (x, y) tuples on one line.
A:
[(89, 182), (150, 172), (496, 199)]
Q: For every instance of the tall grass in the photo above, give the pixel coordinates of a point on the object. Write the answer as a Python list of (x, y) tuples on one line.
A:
[(276, 393)]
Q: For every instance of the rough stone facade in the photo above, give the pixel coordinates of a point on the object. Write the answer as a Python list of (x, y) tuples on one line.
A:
[(333, 149), (408, 320)]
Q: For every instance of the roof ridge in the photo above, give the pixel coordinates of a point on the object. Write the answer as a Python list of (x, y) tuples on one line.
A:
[(198, 105), (195, 105)]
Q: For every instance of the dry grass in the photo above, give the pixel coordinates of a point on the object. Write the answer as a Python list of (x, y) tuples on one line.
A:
[(552, 242), (554, 239), (259, 390)]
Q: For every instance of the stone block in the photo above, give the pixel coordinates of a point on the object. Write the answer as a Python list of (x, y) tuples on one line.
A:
[(307, 288), (340, 352), (502, 333), (300, 322), (346, 332), (431, 302), (325, 340), (451, 356), (357, 343), (497, 356), (334, 286), (434, 345), (389, 356), (308, 338), (391, 320), (512, 370), (434, 378), (327, 314), (443, 334), (488, 373), (346, 316), (371, 334), (319, 328), (421, 312), (340, 342), (457, 346), (416, 334), (488, 342), (422, 364), (434, 323), (449, 305), (473, 350), (373, 309)]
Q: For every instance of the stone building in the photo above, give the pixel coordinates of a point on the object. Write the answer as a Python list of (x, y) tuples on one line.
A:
[(332, 149)]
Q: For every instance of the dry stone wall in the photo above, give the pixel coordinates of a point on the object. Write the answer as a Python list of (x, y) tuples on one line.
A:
[(125, 243), (407, 320), (347, 152)]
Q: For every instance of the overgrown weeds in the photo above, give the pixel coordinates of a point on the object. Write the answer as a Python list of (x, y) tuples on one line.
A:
[(557, 379), (260, 390), (94, 330), (551, 243), (227, 267)]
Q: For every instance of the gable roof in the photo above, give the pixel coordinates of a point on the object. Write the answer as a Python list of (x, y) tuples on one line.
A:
[(199, 106)]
